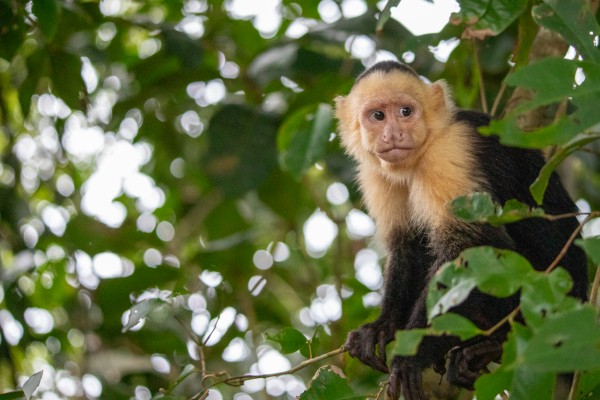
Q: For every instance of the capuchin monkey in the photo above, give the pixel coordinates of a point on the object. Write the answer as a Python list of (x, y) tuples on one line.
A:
[(415, 153)]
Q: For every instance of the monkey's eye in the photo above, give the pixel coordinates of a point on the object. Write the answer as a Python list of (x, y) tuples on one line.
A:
[(406, 111), (378, 115)]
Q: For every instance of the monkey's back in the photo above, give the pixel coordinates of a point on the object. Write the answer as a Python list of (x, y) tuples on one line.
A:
[(508, 172)]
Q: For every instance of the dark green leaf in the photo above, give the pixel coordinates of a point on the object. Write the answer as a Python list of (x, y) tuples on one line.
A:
[(13, 29), (493, 17), (67, 82), (46, 12), (328, 384), (303, 137), (241, 151), (407, 342), (591, 247), (290, 339), (574, 20), (16, 395)]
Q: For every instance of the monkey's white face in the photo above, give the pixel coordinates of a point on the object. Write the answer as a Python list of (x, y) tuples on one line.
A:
[(392, 128)]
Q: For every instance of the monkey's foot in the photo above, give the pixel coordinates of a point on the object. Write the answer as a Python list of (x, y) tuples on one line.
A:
[(368, 342), (469, 363), (406, 378)]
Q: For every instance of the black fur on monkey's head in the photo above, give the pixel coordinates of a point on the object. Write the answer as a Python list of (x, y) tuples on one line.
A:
[(387, 66)]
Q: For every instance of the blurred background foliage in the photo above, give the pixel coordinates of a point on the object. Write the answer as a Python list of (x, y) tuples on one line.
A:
[(179, 157)]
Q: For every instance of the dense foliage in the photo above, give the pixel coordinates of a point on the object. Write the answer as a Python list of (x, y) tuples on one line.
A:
[(175, 208)]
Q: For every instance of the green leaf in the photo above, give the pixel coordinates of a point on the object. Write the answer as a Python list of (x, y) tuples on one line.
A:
[(16, 395), (46, 12), (591, 246), (566, 342), (290, 340), (552, 81), (479, 207), (538, 187), (67, 82), (241, 150), (545, 294), (476, 207), (140, 311), (589, 385), (13, 29), (574, 20), (499, 273), (328, 384), (303, 137), (407, 342), (492, 16), (455, 324)]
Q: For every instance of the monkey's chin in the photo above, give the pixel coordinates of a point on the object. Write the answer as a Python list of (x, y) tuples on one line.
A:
[(395, 155)]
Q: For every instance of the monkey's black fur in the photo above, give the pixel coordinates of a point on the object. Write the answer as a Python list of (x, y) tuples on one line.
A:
[(414, 256)]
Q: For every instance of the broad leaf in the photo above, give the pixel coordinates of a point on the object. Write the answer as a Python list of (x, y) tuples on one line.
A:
[(591, 247), (407, 342), (328, 384), (455, 324), (290, 339), (552, 80), (545, 294), (574, 20), (480, 207), (499, 273), (241, 150), (489, 17), (46, 12), (538, 187), (303, 137)]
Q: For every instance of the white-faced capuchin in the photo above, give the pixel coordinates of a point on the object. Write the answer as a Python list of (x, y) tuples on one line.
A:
[(415, 153)]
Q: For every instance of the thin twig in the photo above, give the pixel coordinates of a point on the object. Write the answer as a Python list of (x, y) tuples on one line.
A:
[(593, 301), (484, 105), (239, 380), (567, 245)]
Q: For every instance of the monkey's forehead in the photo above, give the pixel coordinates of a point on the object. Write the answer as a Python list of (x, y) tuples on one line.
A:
[(390, 85)]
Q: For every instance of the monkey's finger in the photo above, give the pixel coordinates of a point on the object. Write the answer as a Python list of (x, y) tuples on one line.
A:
[(382, 356), (393, 390), (412, 384)]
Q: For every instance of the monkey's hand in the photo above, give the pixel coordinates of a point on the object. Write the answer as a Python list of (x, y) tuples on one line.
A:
[(406, 378), (368, 342), (469, 363)]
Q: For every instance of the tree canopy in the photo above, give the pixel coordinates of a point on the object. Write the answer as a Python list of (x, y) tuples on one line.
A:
[(178, 220)]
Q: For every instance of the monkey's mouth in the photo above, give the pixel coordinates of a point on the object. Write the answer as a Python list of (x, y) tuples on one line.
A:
[(395, 154)]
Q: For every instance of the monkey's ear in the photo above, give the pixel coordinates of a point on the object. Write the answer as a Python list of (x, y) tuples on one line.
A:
[(442, 96)]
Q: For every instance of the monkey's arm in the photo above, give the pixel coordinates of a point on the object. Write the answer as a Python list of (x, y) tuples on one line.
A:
[(407, 265)]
